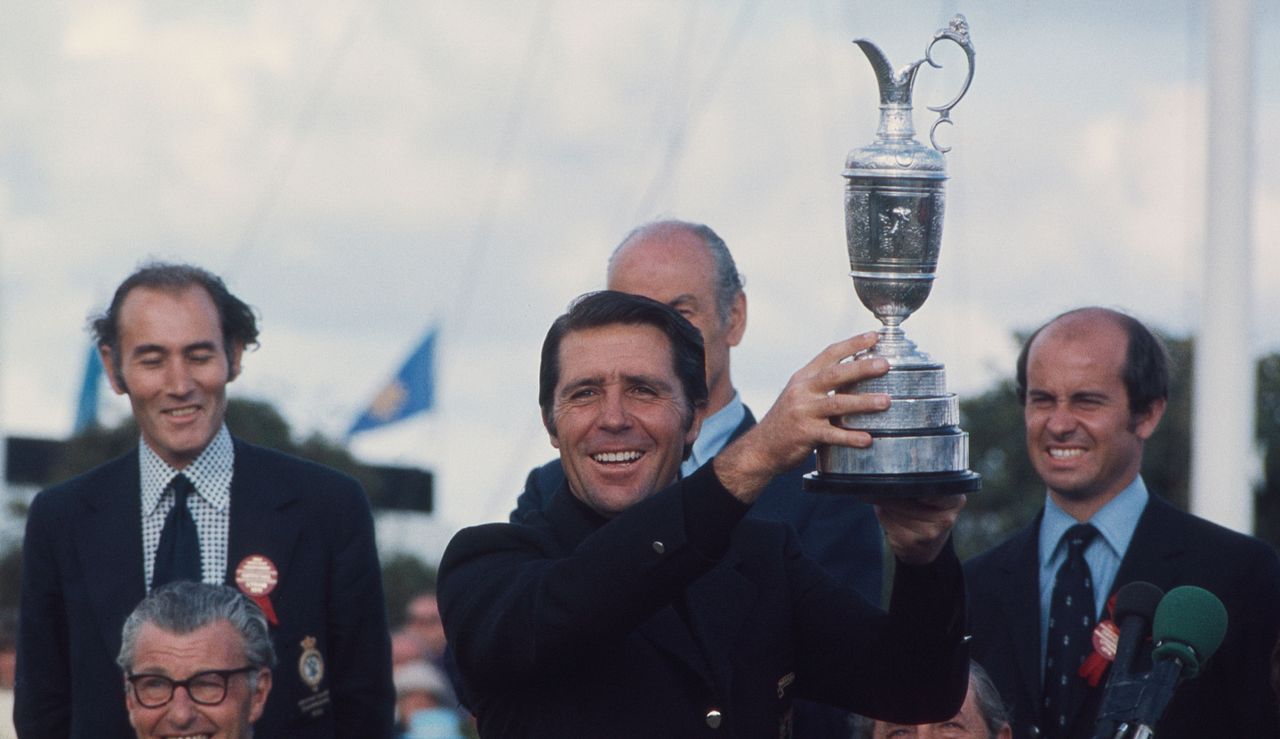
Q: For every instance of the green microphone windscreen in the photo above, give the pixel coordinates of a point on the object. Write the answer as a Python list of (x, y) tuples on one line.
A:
[(1189, 625)]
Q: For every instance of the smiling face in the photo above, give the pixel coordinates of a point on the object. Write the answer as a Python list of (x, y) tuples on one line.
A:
[(620, 415), (672, 265), (175, 368), (217, 646), (1083, 440)]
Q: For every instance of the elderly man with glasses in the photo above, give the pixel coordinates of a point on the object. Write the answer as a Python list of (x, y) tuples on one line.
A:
[(197, 662)]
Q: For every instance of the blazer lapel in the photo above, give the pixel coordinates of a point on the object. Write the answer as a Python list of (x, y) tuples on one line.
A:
[(1021, 568), (719, 603), (109, 546), (1157, 541), (748, 421), (259, 525)]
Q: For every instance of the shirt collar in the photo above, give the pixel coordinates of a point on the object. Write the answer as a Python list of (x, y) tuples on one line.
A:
[(210, 473), (1114, 521), (717, 428)]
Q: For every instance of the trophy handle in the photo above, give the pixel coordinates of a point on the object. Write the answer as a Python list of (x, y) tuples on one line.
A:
[(957, 32)]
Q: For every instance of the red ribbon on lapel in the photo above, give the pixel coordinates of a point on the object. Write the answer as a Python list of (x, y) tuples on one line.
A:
[(1106, 636), (256, 576)]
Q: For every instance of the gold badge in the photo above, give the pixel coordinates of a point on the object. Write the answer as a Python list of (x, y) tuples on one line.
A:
[(311, 664)]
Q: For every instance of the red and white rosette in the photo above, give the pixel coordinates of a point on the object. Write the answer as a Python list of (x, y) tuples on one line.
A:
[(1106, 638), (256, 576)]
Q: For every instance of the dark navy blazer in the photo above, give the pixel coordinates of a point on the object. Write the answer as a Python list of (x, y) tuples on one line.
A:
[(1231, 698), (571, 625), (82, 574)]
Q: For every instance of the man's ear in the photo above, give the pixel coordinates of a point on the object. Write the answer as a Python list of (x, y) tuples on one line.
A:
[(695, 426), (233, 360), (111, 369), (737, 319), (259, 698), (1147, 421), (550, 426)]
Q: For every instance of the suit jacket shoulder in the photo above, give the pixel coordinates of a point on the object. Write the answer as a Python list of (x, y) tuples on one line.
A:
[(1169, 548)]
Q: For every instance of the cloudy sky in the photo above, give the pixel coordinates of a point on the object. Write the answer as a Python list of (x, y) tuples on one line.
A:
[(361, 170)]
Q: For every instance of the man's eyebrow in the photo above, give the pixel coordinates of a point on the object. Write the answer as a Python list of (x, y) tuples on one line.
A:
[(682, 298), (653, 380), (199, 346), (589, 381)]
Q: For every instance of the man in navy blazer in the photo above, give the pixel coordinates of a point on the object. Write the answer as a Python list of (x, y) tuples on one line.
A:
[(1094, 384), (689, 267), (642, 603), (295, 536)]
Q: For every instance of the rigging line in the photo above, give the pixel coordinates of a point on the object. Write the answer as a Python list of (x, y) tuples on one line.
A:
[(697, 104), (662, 117), (480, 240), (302, 127), (481, 237), (503, 498)]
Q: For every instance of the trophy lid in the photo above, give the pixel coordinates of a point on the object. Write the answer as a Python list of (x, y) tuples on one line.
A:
[(895, 152)]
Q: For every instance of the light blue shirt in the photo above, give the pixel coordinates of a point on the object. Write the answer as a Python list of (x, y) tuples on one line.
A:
[(1115, 523), (715, 433)]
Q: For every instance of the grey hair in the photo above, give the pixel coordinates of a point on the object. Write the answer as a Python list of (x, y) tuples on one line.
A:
[(728, 281), (990, 706), (182, 607)]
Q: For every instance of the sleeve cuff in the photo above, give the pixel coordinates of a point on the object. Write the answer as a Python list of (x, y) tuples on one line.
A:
[(710, 512)]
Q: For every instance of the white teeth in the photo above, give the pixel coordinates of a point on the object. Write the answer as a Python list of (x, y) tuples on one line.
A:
[(1065, 453), (181, 411), (613, 457)]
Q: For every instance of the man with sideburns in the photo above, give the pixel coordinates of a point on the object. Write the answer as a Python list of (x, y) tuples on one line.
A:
[(192, 502)]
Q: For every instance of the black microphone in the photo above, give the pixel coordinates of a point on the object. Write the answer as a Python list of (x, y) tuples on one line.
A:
[(1134, 610), (1189, 626)]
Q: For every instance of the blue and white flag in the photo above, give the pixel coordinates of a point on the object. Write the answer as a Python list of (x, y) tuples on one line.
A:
[(87, 404), (411, 391)]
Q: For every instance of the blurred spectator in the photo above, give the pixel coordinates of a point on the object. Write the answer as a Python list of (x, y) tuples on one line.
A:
[(8, 656), (425, 705), (423, 621)]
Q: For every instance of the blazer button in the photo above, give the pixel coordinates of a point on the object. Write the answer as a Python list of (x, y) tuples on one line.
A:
[(659, 547), (713, 718)]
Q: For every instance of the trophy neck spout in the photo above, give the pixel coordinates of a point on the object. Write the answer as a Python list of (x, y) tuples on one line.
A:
[(895, 87)]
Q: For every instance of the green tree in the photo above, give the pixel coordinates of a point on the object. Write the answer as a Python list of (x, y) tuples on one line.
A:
[(403, 577)]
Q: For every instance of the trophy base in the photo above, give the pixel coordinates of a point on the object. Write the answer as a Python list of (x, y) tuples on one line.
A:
[(918, 485)]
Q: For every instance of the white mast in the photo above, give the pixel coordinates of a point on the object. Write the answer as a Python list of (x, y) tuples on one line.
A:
[(1224, 462)]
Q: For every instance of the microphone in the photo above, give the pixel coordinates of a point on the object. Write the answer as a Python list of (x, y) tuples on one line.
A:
[(1189, 626), (1134, 610)]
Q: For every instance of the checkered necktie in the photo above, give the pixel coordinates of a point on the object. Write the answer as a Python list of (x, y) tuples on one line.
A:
[(1071, 618), (178, 556)]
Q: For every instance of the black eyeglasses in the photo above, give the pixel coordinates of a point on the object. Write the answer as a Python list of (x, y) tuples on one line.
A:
[(208, 688)]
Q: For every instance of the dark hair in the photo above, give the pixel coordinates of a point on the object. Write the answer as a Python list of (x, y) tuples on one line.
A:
[(1146, 364), (994, 715), (728, 281), (239, 326), (182, 607), (609, 307)]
